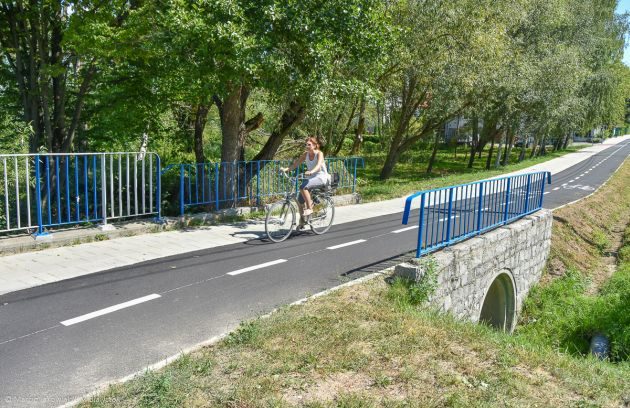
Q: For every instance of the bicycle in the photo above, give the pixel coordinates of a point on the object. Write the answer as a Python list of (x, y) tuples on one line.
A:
[(281, 215)]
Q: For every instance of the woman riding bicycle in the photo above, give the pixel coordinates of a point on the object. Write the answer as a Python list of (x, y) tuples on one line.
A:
[(316, 174)]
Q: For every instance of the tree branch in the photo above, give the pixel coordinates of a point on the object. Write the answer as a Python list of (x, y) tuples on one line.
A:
[(85, 85)]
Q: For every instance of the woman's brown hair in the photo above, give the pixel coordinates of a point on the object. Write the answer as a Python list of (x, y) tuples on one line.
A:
[(313, 141)]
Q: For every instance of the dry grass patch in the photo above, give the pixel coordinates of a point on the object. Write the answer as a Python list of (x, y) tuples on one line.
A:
[(358, 347), (585, 231)]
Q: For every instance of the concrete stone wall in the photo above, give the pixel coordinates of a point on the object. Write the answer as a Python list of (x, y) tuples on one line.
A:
[(467, 269)]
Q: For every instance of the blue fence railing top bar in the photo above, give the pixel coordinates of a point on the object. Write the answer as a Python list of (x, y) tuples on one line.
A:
[(216, 184), (57, 189), (451, 214), (39, 191)]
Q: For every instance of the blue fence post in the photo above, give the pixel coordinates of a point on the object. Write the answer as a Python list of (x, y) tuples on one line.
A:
[(95, 191), (529, 182), (48, 204), (354, 181), (448, 217), (38, 194), (103, 191), (216, 186), (258, 183), (158, 190), (479, 207), (421, 226), (542, 188), (507, 199), (181, 189)]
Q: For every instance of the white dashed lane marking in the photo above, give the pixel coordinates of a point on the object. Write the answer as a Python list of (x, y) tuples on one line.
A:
[(259, 266), (358, 241), (110, 309), (398, 231)]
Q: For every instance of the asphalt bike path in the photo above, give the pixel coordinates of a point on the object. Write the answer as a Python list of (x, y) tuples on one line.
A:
[(59, 340)]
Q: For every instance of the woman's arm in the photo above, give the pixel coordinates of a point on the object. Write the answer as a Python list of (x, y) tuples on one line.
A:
[(318, 166), (295, 163)]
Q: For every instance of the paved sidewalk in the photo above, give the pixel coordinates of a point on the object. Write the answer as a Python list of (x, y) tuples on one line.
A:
[(31, 269)]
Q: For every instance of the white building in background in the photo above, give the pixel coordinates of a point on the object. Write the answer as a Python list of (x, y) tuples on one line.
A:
[(459, 128), (589, 136)]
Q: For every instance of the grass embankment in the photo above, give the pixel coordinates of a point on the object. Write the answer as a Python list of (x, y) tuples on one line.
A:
[(578, 297), (369, 345), (410, 172)]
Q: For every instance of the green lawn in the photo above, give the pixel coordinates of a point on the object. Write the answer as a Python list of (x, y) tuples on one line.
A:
[(410, 174)]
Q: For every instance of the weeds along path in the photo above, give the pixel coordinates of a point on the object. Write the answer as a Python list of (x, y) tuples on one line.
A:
[(586, 288)]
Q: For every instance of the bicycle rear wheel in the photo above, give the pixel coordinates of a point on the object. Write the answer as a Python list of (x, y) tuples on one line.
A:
[(323, 215), (279, 221)]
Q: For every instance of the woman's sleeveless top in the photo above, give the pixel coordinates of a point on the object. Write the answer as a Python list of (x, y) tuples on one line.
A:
[(310, 165)]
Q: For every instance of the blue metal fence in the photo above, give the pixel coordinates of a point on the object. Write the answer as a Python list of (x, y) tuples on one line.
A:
[(451, 214), (45, 190), (218, 185)]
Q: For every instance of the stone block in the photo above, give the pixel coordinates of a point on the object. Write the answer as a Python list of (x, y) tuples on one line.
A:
[(409, 271)]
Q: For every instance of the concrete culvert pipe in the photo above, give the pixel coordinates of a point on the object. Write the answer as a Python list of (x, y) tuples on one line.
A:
[(498, 308)]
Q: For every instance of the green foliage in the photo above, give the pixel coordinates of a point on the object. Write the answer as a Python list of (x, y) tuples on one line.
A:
[(563, 315), (14, 135), (409, 292), (601, 241), (157, 391), (539, 68), (247, 333)]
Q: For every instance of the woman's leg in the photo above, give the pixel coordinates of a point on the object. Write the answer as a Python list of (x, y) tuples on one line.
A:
[(308, 204), (306, 196)]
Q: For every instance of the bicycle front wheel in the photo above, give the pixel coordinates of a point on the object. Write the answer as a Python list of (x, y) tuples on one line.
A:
[(323, 215), (279, 221)]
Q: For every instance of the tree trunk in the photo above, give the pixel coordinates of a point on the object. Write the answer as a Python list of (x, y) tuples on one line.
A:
[(390, 162), (508, 148), (230, 114), (332, 130), (436, 142), (474, 142), (358, 134), (409, 105), (489, 159), (457, 136), (290, 118), (534, 146), (342, 136), (497, 162), (566, 141), (58, 80), (379, 121), (66, 143), (543, 146), (201, 117)]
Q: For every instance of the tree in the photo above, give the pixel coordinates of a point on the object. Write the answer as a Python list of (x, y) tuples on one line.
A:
[(53, 68), (445, 48)]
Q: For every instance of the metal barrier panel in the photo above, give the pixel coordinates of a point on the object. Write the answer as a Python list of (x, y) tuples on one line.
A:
[(47, 190), (451, 214), (227, 184)]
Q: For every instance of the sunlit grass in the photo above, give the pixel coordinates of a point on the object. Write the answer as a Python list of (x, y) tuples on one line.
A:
[(410, 172)]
